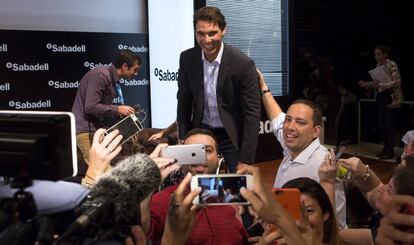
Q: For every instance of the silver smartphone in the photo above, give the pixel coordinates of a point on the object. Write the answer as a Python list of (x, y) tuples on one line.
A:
[(128, 127), (221, 189), (186, 154)]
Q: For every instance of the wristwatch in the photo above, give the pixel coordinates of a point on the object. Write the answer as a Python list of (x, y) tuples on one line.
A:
[(264, 91)]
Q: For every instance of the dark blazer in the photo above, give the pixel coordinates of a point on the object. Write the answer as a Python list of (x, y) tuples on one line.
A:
[(238, 97)]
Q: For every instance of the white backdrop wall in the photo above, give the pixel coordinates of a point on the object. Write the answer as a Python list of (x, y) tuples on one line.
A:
[(170, 33)]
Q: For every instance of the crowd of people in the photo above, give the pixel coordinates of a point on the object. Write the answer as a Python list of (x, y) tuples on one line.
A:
[(169, 216), (219, 101), (219, 107)]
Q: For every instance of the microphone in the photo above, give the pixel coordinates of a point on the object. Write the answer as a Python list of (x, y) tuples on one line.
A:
[(118, 193)]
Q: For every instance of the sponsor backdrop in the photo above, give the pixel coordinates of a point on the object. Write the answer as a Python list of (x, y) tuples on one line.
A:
[(45, 51), (41, 70), (168, 37)]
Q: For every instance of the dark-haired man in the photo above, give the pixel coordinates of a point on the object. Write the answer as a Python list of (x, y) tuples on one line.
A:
[(94, 97), (217, 90), (298, 131)]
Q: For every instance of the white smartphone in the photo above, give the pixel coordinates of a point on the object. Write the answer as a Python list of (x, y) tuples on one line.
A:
[(221, 189), (186, 154), (128, 127)]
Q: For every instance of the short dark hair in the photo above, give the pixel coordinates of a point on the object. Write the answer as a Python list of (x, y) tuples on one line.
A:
[(316, 109), (383, 48), (210, 14), (128, 57), (313, 189), (196, 131)]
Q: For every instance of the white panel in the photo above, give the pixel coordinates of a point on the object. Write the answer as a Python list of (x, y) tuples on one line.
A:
[(170, 32), (126, 16)]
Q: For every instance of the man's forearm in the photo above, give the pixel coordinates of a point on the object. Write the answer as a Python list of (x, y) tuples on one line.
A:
[(99, 109), (330, 191), (171, 129), (271, 106), (368, 183)]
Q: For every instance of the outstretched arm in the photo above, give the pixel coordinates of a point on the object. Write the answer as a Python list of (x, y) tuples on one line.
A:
[(166, 131), (271, 106)]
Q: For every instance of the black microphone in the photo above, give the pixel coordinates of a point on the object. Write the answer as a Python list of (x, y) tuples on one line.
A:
[(118, 193)]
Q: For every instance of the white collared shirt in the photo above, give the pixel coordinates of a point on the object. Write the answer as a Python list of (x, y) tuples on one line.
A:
[(306, 164), (211, 70)]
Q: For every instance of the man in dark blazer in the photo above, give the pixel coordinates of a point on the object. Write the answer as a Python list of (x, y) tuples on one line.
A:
[(218, 90)]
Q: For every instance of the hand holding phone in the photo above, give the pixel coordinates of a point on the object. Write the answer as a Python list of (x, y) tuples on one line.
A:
[(102, 151), (339, 152), (342, 172), (222, 189)]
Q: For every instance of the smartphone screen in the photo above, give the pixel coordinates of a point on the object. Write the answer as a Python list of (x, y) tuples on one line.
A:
[(127, 127), (221, 190)]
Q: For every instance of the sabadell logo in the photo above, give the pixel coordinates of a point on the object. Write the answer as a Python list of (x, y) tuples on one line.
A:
[(92, 65), (30, 105), (66, 48), (27, 67), (141, 49), (63, 85), (3, 47), (5, 87), (134, 82)]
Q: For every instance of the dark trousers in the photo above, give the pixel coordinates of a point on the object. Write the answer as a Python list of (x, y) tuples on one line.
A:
[(387, 118), (226, 147)]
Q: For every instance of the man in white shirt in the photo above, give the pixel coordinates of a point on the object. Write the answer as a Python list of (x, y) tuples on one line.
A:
[(298, 131)]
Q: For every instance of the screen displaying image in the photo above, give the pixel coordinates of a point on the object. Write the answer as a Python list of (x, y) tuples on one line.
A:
[(221, 189)]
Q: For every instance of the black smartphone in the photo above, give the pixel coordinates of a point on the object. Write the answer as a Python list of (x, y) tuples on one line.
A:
[(255, 230)]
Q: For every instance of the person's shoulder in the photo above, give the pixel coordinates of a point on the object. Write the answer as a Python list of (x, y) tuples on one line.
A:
[(390, 64), (101, 69), (390, 61), (165, 192), (98, 71), (191, 51), (236, 53), (320, 151)]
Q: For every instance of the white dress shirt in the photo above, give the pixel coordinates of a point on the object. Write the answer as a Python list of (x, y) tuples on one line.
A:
[(306, 164), (211, 70)]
